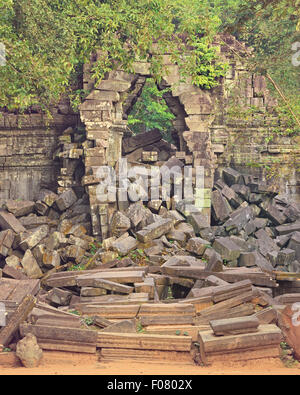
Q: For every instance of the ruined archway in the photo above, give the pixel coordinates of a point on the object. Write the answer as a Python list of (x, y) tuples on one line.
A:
[(104, 114)]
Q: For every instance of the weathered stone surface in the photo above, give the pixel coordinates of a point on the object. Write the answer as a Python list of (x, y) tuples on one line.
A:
[(197, 246), (7, 238), (32, 240), (136, 213), (288, 228), (228, 250), (124, 326), (29, 352), (178, 236), (221, 207), (55, 241), (13, 261), (265, 243), (294, 244), (74, 252), (30, 265), (286, 257), (132, 143), (47, 197), (234, 200), (155, 230), (214, 261), (119, 224), (51, 259), (239, 219), (124, 246), (9, 221), (59, 296), (66, 199), (198, 221), (273, 213), (232, 176), (90, 291), (19, 207)]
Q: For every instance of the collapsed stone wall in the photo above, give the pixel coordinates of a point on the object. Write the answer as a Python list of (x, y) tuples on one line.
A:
[(246, 133), (28, 143), (231, 125), (208, 129)]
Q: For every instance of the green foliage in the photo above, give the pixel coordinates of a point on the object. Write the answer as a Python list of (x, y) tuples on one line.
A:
[(270, 27), (151, 111), (48, 41)]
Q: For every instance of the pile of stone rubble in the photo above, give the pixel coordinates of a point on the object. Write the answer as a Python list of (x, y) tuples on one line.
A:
[(165, 284)]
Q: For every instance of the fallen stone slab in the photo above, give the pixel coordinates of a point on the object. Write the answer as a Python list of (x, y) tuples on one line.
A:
[(132, 143), (294, 244), (155, 230), (285, 257), (120, 224), (198, 222), (33, 239), (124, 246), (265, 242), (66, 200), (30, 266), (232, 176), (221, 207), (197, 246), (228, 250), (59, 296), (19, 208), (9, 221), (234, 326), (124, 326), (271, 212)]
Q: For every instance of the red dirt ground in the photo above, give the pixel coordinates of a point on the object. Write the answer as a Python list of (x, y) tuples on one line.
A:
[(61, 363)]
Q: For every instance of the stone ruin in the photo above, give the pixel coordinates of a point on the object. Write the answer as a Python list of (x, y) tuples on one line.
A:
[(235, 225)]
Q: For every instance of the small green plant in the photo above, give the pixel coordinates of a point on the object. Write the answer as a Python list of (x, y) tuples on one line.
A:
[(88, 321), (6, 349), (139, 327), (75, 312)]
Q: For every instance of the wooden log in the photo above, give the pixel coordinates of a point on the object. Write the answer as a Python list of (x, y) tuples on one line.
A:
[(144, 341), (59, 333), (19, 315), (266, 335), (234, 326)]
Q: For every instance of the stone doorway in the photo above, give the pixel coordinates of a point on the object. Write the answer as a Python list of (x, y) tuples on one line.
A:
[(104, 113)]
